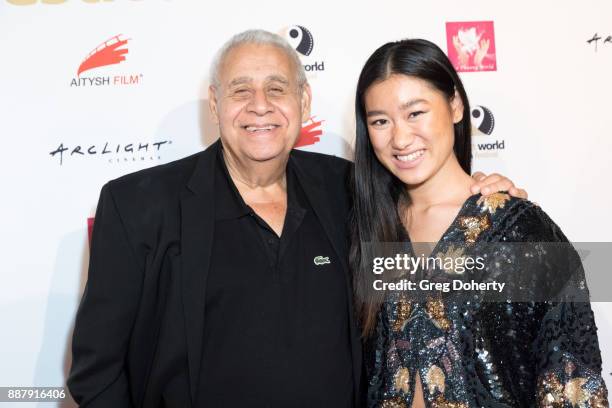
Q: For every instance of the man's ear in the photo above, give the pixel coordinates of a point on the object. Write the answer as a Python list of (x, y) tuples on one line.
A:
[(212, 104), (457, 107), (306, 100)]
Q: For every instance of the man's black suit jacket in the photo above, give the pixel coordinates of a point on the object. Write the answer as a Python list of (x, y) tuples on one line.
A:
[(159, 221)]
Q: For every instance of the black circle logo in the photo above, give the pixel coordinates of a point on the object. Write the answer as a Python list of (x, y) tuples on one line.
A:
[(301, 39), (482, 119)]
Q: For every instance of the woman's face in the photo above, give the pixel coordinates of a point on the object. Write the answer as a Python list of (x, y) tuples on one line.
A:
[(411, 126)]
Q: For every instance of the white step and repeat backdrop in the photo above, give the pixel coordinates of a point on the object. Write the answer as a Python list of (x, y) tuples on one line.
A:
[(91, 90)]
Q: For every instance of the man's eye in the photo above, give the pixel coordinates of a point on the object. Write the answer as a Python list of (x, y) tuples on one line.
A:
[(415, 114), (277, 90)]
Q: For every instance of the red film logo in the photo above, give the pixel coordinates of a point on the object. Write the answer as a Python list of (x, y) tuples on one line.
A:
[(107, 53), (310, 133)]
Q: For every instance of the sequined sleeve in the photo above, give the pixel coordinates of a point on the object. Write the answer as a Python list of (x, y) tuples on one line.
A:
[(378, 352), (566, 346)]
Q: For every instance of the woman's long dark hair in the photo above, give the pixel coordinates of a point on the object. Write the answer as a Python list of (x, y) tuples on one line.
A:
[(377, 193)]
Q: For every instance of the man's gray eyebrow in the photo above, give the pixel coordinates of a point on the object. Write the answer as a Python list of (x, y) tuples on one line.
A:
[(240, 81), (246, 80), (278, 78)]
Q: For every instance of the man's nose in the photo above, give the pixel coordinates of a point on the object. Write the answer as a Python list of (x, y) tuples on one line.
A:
[(260, 104)]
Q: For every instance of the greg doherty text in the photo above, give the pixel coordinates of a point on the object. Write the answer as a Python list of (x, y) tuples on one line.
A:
[(426, 285)]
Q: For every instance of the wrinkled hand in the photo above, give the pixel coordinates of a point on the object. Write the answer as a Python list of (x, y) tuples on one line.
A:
[(493, 183), (481, 52), (464, 57)]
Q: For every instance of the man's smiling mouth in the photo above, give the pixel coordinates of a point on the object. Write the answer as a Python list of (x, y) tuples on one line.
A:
[(255, 129)]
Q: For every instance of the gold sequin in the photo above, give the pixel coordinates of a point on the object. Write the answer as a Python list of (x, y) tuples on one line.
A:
[(473, 226), (395, 402), (435, 309), (599, 399), (550, 401), (403, 313), (435, 379), (492, 202), (454, 253), (441, 402), (401, 380), (550, 392), (574, 393)]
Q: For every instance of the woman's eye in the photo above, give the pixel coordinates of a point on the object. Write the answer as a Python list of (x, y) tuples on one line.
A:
[(415, 114), (379, 122)]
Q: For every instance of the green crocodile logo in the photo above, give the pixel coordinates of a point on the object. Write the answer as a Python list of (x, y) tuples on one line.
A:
[(321, 260)]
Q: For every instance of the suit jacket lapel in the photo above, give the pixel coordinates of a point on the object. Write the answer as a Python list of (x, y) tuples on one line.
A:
[(197, 229), (334, 223)]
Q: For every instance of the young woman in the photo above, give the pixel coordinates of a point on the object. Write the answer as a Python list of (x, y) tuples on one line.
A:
[(412, 185)]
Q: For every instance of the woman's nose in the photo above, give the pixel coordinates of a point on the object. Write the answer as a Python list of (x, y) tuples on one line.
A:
[(402, 137)]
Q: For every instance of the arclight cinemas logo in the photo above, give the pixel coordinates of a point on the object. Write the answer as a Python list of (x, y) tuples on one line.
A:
[(111, 152), (111, 52)]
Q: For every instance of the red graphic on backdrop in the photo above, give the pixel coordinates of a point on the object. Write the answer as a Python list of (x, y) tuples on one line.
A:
[(471, 45), (310, 133), (90, 224), (107, 53)]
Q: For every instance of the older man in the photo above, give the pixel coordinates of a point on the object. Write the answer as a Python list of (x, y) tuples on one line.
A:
[(221, 280)]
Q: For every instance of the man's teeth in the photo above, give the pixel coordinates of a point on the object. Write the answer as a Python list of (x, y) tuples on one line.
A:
[(411, 157), (260, 129)]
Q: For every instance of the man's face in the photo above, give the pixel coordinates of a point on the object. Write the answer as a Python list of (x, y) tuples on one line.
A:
[(259, 105)]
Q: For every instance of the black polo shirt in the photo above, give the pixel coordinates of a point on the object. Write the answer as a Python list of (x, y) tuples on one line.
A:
[(276, 323)]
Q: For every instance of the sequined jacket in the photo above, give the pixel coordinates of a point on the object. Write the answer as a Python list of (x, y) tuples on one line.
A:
[(474, 353)]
